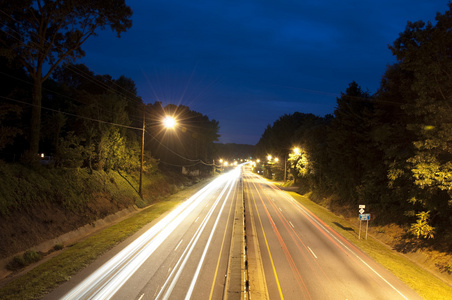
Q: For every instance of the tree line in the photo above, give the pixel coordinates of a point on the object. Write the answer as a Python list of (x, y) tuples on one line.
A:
[(391, 150), (50, 104)]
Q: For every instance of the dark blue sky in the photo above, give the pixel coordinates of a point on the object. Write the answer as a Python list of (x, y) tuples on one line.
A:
[(246, 63)]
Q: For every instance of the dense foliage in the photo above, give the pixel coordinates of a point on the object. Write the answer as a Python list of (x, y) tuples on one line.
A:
[(51, 105), (96, 121), (40, 35), (392, 150)]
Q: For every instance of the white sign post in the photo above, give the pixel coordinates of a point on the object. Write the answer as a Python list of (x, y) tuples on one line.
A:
[(365, 217)]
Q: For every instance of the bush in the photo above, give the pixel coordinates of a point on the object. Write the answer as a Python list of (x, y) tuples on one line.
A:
[(18, 262), (421, 227), (31, 256), (21, 261), (58, 247)]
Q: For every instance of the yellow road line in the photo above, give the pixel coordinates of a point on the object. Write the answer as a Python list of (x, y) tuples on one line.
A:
[(258, 285), (268, 247)]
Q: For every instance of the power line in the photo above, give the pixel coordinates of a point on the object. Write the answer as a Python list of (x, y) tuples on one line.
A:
[(72, 67), (198, 161), (70, 114), (177, 154)]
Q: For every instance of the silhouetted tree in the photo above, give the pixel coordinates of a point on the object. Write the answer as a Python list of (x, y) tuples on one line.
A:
[(349, 141), (190, 143), (42, 34), (425, 51)]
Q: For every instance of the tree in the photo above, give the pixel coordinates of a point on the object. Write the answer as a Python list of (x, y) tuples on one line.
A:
[(425, 50), (392, 179), (349, 144), (42, 34), (7, 133), (189, 143)]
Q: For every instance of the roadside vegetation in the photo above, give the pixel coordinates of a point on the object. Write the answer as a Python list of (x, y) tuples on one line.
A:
[(426, 284), (76, 146), (73, 258), (39, 204), (390, 151)]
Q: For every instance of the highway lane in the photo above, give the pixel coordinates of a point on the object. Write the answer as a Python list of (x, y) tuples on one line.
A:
[(183, 256), (294, 255)]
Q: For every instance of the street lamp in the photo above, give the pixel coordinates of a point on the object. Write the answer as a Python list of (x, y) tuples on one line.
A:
[(296, 151), (169, 122), (140, 190)]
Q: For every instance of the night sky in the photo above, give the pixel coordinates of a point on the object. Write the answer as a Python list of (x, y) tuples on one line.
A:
[(246, 63)]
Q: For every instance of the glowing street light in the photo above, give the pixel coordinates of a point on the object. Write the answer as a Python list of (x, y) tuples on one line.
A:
[(296, 151), (169, 122)]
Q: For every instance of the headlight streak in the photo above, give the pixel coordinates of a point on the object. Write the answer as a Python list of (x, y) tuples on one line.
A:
[(109, 278), (186, 254), (195, 277)]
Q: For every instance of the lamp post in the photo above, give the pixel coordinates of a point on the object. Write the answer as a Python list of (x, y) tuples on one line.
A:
[(168, 122), (140, 190), (296, 151), (285, 167)]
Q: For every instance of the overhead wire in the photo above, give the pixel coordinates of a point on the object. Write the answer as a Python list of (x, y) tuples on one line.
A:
[(72, 67), (121, 91), (70, 114), (197, 161)]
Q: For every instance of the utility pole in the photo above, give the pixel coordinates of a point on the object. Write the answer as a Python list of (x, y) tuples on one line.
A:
[(140, 191), (285, 169)]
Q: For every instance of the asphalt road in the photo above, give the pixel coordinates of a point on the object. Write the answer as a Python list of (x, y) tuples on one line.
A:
[(294, 255), (192, 253), (185, 255)]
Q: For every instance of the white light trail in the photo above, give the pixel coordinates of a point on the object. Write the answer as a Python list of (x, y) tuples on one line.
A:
[(198, 269), (110, 277), (184, 257)]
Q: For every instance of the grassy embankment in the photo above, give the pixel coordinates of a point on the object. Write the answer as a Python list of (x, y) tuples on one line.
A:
[(60, 268), (422, 281), (38, 204)]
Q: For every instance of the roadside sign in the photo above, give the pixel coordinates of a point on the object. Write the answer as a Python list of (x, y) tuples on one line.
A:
[(364, 217), (362, 206)]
